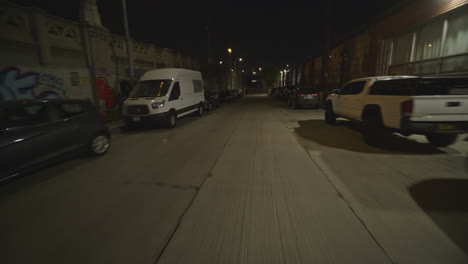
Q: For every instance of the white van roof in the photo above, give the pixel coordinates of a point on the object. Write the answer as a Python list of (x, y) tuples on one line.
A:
[(168, 73)]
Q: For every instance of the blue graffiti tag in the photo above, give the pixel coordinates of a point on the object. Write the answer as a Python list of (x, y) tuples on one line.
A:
[(15, 86)]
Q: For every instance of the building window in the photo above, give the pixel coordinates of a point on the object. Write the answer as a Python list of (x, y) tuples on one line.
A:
[(402, 49), (457, 35), (438, 47), (429, 41)]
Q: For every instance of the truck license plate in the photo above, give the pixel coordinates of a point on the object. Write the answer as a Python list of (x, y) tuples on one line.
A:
[(446, 127), (136, 118)]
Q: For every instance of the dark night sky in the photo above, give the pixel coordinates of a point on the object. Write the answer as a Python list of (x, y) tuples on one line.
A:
[(262, 32)]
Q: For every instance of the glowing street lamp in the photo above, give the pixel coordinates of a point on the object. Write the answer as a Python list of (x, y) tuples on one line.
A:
[(254, 73), (229, 51), (260, 69), (240, 59), (220, 62)]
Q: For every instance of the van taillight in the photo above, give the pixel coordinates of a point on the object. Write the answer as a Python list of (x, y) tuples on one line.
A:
[(407, 107)]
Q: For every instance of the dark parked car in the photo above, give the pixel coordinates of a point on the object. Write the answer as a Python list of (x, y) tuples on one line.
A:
[(286, 92), (228, 96), (304, 97), (211, 100), (34, 133)]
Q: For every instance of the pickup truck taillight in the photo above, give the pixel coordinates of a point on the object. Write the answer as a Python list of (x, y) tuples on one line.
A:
[(407, 108)]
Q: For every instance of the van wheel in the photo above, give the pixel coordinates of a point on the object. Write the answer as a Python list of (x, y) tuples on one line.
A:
[(330, 117), (171, 120), (441, 140), (374, 131), (99, 144), (200, 110)]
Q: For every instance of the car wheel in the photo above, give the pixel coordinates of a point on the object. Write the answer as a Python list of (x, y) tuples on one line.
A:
[(99, 144), (441, 140), (171, 119), (373, 129), (330, 117)]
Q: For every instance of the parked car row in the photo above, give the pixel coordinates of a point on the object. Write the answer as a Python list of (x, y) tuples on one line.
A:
[(298, 96), (436, 107), (35, 133)]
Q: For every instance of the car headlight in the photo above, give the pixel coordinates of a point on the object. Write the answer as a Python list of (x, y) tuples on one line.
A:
[(158, 104)]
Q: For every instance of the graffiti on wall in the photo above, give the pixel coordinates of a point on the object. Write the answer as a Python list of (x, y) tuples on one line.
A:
[(16, 85), (105, 93)]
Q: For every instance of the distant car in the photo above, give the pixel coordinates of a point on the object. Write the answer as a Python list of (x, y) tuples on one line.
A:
[(211, 100), (303, 96), (228, 96), (274, 92), (34, 133)]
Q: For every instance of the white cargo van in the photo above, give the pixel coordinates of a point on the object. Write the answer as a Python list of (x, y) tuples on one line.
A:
[(164, 95)]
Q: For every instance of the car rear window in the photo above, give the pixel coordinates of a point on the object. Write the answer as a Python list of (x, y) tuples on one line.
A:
[(447, 86), (421, 86)]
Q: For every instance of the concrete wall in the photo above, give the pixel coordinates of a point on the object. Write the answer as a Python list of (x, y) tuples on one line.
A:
[(46, 56)]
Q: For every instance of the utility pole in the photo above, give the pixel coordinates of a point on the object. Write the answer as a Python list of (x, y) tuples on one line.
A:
[(326, 49), (127, 37)]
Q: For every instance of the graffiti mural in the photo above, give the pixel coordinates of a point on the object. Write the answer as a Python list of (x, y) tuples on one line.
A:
[(105, 93), (15, 85)]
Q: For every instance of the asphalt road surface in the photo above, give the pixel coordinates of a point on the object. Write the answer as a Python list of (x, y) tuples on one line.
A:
[(251, 182)]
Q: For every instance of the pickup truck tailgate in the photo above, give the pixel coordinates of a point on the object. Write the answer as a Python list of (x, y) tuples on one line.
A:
[(437, 108)]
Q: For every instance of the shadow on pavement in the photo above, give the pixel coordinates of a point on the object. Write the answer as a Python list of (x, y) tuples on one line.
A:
[(347, 135), (446, 202)]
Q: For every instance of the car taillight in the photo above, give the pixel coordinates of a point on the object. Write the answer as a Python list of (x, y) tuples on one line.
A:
[(299, 94), (407, 108), (317, 94)]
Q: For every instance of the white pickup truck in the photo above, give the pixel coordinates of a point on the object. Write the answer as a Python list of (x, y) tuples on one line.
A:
[(436, 107)]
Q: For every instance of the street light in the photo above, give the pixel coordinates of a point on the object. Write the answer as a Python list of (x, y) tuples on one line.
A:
[(220, 62), (254, 73), (240, 59), (260, 69), (229, 51)]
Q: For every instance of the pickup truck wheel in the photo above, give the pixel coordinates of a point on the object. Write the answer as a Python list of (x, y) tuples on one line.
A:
[(441, 140), (373, 129), (330, 117)]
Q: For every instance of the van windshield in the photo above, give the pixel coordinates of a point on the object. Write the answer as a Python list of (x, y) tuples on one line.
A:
[(151, 88)]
